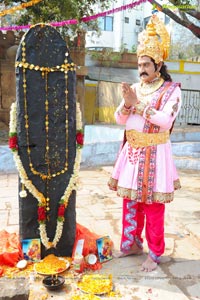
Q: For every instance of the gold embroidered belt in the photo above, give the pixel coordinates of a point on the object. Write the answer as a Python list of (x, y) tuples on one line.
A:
[(140, 139)]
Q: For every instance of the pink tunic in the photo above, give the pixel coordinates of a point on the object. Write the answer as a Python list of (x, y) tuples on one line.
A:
[(128, 168)]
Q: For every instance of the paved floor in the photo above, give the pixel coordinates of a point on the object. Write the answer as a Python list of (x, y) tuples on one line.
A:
[(99, 209)]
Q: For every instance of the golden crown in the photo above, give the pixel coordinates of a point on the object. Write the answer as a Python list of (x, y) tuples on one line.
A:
[(154, 41)]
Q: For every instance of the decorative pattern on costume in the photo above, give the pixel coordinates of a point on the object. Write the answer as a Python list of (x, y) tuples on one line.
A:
[(152, 167), (133, 154), (175, 107), (150, 112), (152, 164), (138, 242), (168, 93), (127, 193), (141, 139), (154, 256), (141, 174), (129, 218), (139, 108), (132, 194)]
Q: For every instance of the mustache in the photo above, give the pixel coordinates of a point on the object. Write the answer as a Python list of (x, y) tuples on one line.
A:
[(144, 73)]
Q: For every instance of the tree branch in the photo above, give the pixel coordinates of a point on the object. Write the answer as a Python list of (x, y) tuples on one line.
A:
[(184, 22), (195, 14), (190, 11)]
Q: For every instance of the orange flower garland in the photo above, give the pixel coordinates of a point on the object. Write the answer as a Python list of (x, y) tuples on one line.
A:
[(19, 7)]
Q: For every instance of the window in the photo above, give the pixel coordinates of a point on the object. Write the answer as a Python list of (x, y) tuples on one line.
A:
[(106, 23), (126, 20), (137, 22)]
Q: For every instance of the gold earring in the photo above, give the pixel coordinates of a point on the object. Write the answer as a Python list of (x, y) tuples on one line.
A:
[(158, 74)]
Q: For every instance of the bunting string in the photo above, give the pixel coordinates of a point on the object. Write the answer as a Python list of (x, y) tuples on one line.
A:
[(84, 19)]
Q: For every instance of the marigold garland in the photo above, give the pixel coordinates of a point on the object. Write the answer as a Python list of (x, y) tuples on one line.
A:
[(19, 7), (63, 203)]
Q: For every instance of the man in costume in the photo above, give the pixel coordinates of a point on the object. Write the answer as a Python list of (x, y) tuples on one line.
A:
[(144, 174)]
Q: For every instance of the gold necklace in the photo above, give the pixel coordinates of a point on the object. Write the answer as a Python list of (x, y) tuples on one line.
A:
[(44, 72), (145, 89)]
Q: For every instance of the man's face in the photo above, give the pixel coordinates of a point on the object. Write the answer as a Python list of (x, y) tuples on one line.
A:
[(146, 69)]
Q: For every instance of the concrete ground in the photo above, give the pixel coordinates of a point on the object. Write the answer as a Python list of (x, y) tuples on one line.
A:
[(99, 209)]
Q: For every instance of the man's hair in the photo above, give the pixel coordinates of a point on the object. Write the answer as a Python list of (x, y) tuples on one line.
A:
[(163, 71)]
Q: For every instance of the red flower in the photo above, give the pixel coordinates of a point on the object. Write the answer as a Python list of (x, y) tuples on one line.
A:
[(80, 138), (41, 214), (61, 210), (13, 142)]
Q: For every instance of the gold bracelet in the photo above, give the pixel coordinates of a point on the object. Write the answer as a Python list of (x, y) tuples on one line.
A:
[(126, 106), (125, 111)]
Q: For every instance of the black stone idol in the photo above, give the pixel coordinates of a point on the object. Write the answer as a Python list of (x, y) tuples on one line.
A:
[(46, 130)]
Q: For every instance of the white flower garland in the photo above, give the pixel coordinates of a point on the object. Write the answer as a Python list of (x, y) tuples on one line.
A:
[(34, 191)]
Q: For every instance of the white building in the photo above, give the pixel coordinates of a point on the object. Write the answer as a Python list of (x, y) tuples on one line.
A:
[(119, 30)]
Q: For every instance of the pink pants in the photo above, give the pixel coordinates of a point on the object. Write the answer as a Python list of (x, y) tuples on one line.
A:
[(134, 214)]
